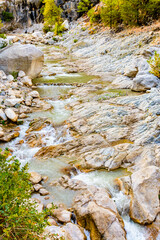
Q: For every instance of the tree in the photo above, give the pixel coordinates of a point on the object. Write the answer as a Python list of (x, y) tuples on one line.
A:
[(110, 12), (52, 15), (19, 218), (84, 6)]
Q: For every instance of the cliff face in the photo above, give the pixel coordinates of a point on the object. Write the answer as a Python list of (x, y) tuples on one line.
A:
[(28, 11), (24, 11)]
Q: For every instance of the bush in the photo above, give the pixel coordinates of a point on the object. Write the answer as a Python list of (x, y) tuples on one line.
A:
[(7, 16), (155, 64), (94, 15), (59, 28), (1, 24), (2, 35), (84, 6), (18, 217)]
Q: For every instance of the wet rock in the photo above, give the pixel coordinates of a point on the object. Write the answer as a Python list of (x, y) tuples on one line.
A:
[(62, 215), (11, 114), (143, 82), (8, 136), (35, 177), (96, 211), (145, 195), (22, 57), (34, 140), (43, 192), (38, 124)]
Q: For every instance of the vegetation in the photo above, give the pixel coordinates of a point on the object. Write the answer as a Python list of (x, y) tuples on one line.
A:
[(94, 15), (84, 6), (1, 24), (7, 16), (155, 64), (52, 17), (19, 218)]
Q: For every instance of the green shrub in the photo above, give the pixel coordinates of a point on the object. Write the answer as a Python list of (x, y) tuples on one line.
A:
[(1, 24), (7, 16), (59, 28), (94, 15), (155, 64), (18, 217), (2, 35), (84, 6), (75, 40)]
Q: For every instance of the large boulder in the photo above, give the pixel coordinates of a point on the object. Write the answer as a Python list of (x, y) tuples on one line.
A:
[(97, 212), (18, 57), (145, 186), (144, 81)]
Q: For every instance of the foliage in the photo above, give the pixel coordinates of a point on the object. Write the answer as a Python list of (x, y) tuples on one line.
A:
[(1, 24), (94, 15), (52, 16), (75, 40), (2, 35), (129, 12), (14, 74), (7, 16), (155, 64), (19, 218), (84, 6)]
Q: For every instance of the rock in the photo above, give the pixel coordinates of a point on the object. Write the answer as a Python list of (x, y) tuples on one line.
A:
[(37, 187), (35, 177), (8, 136), (18, 57), (34, 94), (10, 78), (1, 132), (11, 114), (65, 24), (144, 82), (122, 82), (10, 102), (73, 232), (49, 35), (97, 212), (2, 75), (43, 192), (21, 74), (131, 71), (37, 34), (3, 115), (145, 186), (27, 81), (62, 215), (28, 100), (51, 222)]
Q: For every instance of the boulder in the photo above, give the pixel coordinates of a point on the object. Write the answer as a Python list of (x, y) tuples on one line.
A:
[(43, 192), (65, 24), (18, 57), (3, 115), (73, 232), (144, 81), (10, 102), (145, 186), (34, 94), (10, 78), (62, 215), (35, 177), (11, 114), (131, 71), (97, 212)]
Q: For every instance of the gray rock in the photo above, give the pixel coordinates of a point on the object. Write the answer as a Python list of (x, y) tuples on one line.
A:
[(18, 57), (144, 82)]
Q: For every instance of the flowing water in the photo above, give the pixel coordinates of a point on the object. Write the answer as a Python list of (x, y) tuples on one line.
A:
[(54, 73)]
